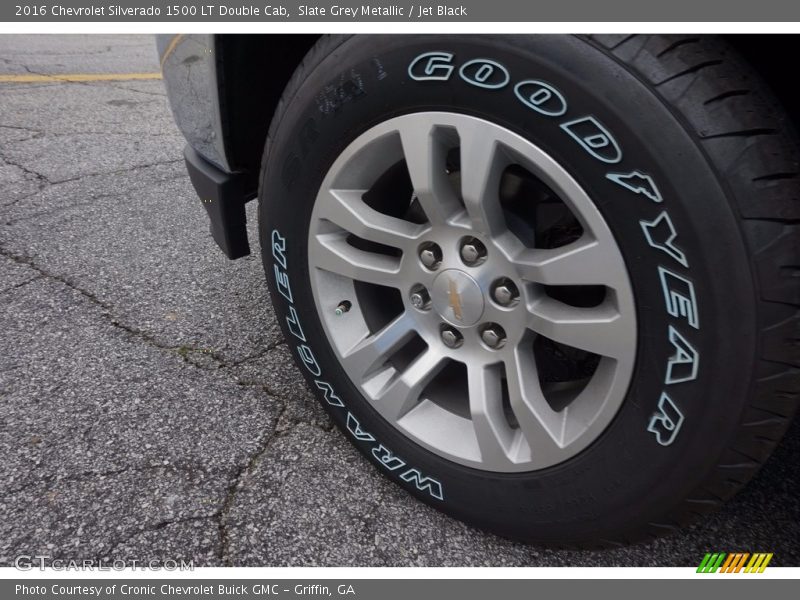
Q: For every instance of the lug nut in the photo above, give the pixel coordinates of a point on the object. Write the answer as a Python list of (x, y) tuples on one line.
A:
[(505, 292), (493, 336), (452, 338), (419, 298), (473, 252), (430, 255)]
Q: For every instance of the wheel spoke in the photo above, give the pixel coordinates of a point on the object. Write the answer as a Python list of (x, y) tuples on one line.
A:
[(601, 330), (426, 158), (374, 350), (492, 430), (346, 209), (331, 252), (541, 426), (482, 164), (583, 262), (402, 394)]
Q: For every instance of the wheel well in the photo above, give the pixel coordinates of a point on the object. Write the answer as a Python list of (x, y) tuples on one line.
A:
[(252, 71)]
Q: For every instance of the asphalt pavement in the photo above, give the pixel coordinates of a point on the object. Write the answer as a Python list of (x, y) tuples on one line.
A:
[(148, 405)]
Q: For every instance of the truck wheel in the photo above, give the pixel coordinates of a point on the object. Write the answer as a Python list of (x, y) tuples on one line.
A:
[(547, 284)]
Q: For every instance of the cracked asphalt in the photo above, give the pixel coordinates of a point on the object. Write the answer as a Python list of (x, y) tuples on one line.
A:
[(148, 405)]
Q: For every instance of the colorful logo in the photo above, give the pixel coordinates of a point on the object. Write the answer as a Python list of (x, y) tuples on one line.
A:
[(721, 562)]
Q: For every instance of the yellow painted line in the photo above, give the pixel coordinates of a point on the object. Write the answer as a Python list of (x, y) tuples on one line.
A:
[(78, 77), (173, 43)]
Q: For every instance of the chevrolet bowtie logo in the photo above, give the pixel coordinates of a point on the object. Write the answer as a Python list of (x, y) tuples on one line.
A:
[(455, 299)]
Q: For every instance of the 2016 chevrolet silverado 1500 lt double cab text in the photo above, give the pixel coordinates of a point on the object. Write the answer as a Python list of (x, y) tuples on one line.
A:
[(547, 284)]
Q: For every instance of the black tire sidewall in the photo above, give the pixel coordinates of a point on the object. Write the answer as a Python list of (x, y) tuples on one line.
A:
[(625, 479)]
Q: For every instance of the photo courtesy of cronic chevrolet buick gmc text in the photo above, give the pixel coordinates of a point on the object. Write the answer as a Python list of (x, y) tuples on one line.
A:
[(549, 285)]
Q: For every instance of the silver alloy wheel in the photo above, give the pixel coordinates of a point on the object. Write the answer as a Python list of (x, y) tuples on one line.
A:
[(500, 419)]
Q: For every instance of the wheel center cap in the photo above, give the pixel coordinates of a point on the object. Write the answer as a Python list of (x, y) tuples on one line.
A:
[(457, 298)]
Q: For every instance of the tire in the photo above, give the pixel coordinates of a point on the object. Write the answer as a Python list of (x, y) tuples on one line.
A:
[(693, 167)]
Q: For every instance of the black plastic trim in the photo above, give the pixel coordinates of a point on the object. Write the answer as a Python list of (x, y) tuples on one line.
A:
[(223, 197)]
